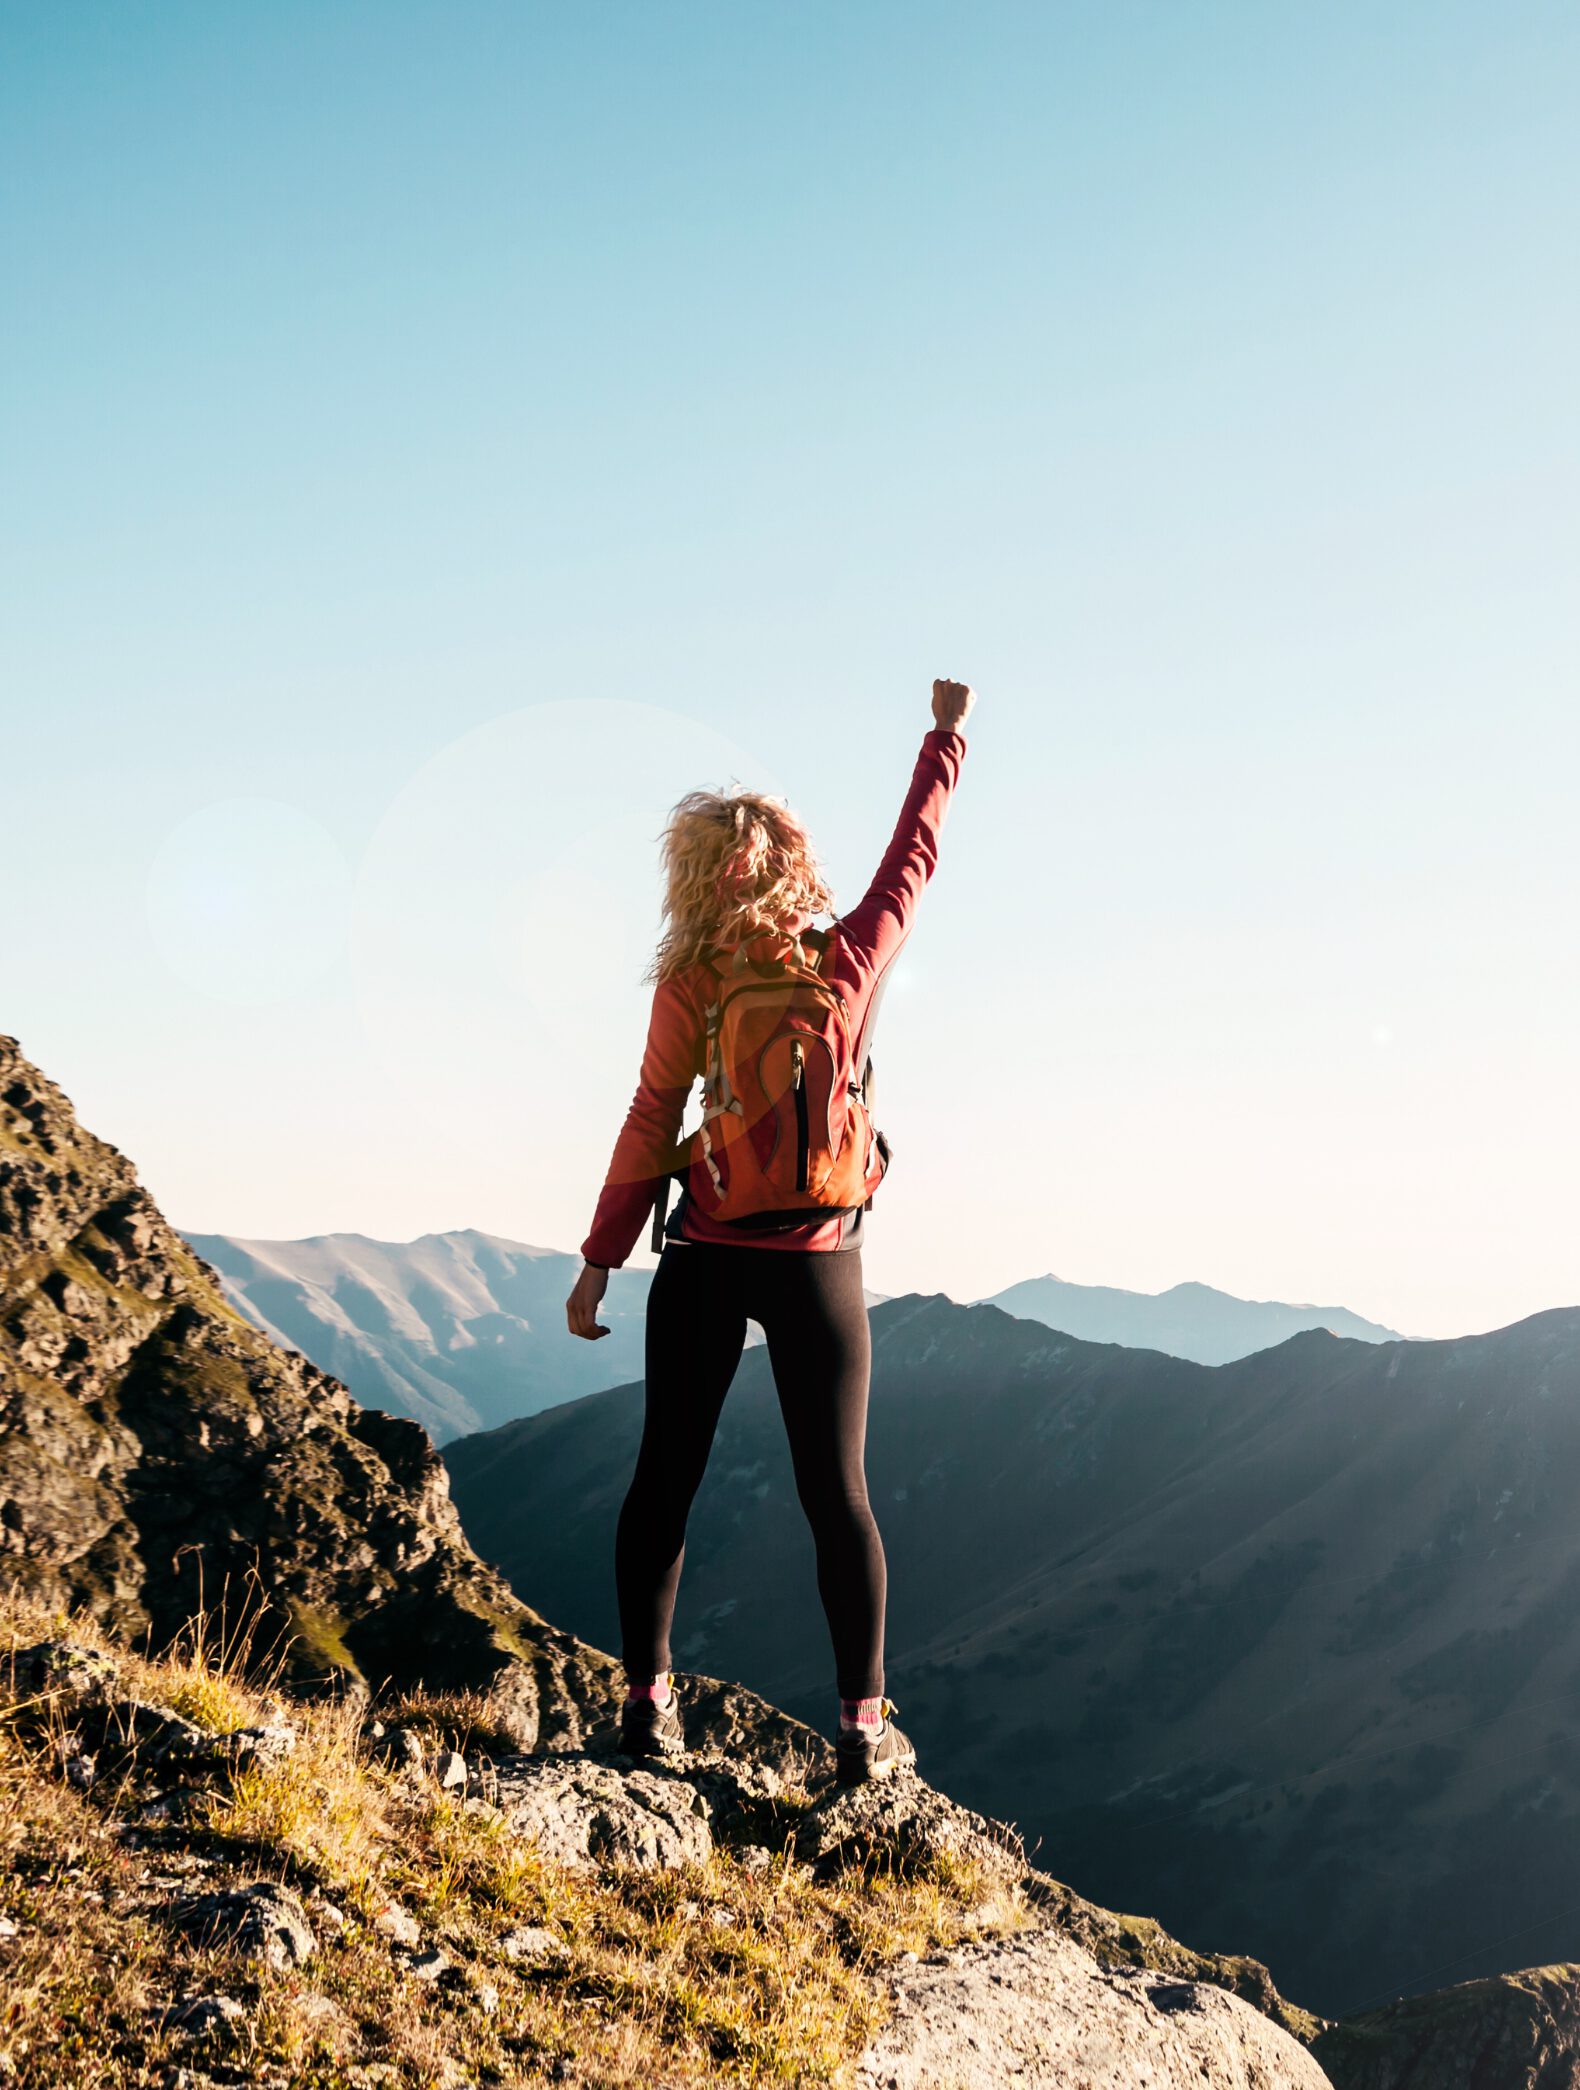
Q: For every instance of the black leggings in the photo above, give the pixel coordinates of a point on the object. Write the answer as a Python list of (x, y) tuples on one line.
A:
[(809, 1304)]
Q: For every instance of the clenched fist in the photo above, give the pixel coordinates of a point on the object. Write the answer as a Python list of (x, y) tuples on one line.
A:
[(952, 702), (581, 1308)]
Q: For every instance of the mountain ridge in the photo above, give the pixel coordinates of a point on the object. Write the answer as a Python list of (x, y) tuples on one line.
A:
[(463, 1330), (456, 1329), (1190, 1319)]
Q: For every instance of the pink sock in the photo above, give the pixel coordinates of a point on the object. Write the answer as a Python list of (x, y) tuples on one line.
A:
[(861, 1712), (655, 1687)]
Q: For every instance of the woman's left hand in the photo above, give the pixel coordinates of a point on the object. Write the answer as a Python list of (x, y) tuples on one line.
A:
[(581, 1308)]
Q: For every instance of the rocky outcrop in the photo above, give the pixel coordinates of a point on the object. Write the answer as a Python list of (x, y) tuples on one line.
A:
[(1038, 2011), (1517, 2032), (591, 1810), (160, 1455), (1031, 1983)]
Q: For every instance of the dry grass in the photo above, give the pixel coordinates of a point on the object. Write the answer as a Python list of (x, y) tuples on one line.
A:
[(464, 1720), (708, 1975)]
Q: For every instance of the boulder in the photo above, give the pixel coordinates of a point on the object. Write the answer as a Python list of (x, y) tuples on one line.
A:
[(1037, 2011), (198, 1753), (157, 1732), (900, 1823), (586, 1814)]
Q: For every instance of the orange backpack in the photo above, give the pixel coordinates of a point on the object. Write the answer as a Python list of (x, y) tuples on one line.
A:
[(786, 1134)]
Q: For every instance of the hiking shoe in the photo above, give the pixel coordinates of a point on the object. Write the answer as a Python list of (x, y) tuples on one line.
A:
[(860, 1754), (648, 1729)]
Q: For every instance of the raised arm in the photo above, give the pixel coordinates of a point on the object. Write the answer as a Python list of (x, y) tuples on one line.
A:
[(874, 930)]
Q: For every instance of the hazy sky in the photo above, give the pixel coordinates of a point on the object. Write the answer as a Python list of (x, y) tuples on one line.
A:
[(434, 437)]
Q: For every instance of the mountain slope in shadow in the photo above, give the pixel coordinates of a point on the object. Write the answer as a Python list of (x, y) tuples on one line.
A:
[(1287, 1650)]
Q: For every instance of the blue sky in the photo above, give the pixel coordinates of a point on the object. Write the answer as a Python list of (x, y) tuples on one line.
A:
[(435, 437)]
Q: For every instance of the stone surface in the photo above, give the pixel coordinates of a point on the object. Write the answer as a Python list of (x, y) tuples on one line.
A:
[(160, 1739), (325, 1912), (398, 1924), (449, 1769), (531, 1942), (399, 1746), (584, 1813), (207, 2017), (269, 1744), (726, 1723), (900, 1822), (1121, 1941), (61, 1667), (1039, 2012), (262, 1921), (153, 1731)]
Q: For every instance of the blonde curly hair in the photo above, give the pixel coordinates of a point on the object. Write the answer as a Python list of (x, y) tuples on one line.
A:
[(735, 866)]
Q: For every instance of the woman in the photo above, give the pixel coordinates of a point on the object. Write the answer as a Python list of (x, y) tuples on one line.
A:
[(742, 886)]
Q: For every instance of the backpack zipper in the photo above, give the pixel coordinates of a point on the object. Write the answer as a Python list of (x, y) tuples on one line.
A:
[(802, 1136), (778, 987)]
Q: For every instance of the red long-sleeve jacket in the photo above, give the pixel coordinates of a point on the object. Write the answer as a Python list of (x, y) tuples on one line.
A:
[(863, 945)]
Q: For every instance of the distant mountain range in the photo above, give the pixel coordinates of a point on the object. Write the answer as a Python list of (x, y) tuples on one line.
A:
[(1286, 1651), (460, 1331), (463, 1331), (1188, 1320)]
